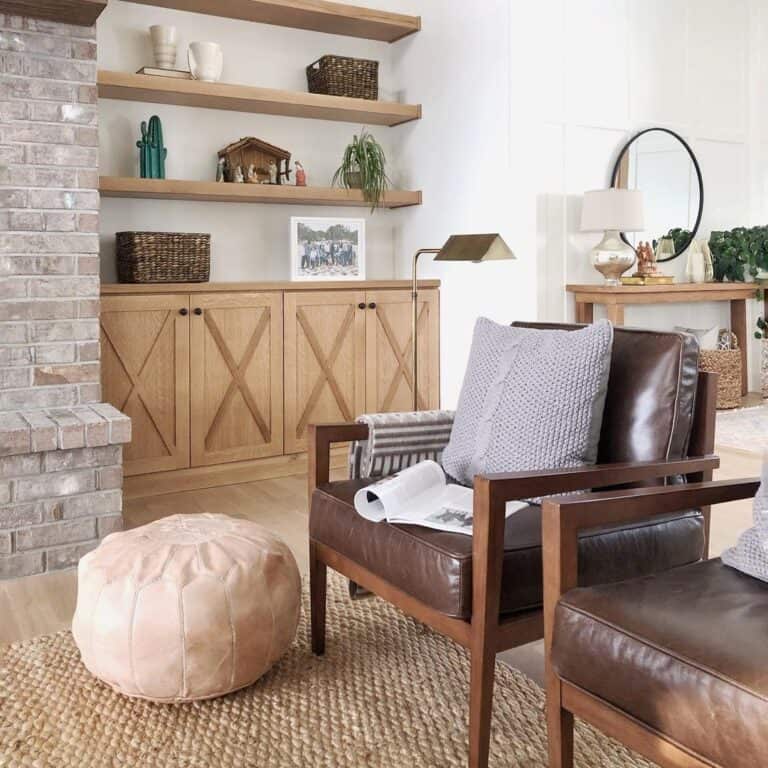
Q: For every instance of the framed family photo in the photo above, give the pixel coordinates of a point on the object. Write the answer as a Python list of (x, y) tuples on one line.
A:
[(327, 248)]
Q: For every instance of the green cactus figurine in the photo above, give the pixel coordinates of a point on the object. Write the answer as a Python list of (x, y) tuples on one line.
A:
[(152, 153)]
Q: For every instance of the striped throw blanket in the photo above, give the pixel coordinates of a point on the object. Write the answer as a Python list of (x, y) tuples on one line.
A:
[(398, 440)]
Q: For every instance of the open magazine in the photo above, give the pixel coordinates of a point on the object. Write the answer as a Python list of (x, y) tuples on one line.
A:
[(421, 495)]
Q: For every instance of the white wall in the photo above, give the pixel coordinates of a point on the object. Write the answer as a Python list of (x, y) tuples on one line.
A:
[(612, 67), (249, 242), (526, 104)]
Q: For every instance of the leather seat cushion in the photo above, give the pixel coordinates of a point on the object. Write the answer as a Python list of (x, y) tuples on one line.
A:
[(436, 567), (685, 652)]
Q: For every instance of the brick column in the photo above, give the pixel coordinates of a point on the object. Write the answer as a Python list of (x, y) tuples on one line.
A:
[(49, 301)]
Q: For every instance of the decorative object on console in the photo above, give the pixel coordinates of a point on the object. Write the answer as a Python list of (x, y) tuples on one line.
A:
[(222, 161), (163, 257), (327, 249), (204, 628), (647, 270), (206, 61), (152, 151), (301, 174), (762, 334), (661, 164), (241, 155), (178, 74), (612, 211), (698, 268), (726, 362), (472, 248), (344, 76), (364, 166), (163, 39)]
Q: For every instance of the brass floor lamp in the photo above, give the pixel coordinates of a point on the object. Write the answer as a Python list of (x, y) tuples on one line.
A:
[(474, 248)]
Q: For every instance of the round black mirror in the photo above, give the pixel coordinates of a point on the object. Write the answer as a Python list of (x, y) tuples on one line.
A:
[(661, 164)]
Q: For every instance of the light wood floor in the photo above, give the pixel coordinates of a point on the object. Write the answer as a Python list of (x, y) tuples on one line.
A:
[(43, 604)]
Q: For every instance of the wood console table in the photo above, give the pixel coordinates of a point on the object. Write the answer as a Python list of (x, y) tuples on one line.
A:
[(615, 298)]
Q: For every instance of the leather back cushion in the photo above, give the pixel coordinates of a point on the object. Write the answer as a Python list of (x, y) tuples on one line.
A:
[(649, 407)]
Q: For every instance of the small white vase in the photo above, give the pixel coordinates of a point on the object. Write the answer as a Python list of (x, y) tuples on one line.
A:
[(764, 368), (206, 61), (164, 45)]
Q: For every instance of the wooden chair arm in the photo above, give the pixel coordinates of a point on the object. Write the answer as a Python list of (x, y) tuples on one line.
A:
[(523, 485), (321, 437)]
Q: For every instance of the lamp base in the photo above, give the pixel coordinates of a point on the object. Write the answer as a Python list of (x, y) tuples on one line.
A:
[(612, 257)]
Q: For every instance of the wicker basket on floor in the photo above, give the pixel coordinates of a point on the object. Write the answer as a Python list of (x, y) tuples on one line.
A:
[(163, 257), (344, 76), (727, 363)]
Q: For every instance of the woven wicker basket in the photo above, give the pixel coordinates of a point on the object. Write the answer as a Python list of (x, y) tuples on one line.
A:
[(344, 76), (726, 362), (163, 257)]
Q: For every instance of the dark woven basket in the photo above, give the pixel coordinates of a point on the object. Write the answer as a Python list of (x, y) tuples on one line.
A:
[(163, 257), (344, 76)]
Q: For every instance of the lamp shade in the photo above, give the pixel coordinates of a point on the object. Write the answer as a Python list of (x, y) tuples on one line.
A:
[(489, 247), (612, 209)]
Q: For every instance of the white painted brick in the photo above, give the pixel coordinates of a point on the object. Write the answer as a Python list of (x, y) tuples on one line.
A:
[(71, 431), (109, 477), (77, 330), (120, 424), (14, 434), (23, 464), (80, 458), (109, 524), (96, 427), (92, 504), (64, 352), (15, 378), (68, 556), (45, 432), (18, 515), (76, 373), (25, 564), (52, 534), (38, 397), (59, 484)]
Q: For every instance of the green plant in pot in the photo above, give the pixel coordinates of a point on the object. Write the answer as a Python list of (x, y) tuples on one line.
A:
[(363, 167), (739, 250)]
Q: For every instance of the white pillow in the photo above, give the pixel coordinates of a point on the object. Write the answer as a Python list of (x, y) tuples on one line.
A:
[(707, 337)]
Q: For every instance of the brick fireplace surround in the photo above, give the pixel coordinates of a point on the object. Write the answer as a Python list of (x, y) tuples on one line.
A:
[(60, 448)]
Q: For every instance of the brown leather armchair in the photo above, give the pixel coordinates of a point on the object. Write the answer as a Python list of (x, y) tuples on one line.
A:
[(675, 665), (486, 592)]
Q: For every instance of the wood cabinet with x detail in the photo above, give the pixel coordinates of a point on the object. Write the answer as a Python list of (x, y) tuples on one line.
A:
[(222, 380)]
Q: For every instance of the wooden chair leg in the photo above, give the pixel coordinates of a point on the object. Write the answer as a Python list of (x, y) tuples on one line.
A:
[(318, 580), (559, 726), (482, 663)]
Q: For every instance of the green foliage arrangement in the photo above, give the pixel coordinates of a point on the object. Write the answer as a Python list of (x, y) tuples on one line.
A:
[(762, 328), (738, 252), (363, 166)]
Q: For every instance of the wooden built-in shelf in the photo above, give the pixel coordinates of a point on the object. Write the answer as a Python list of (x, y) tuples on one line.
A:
[(316, 15), (81, 12), (127, 289), (222, 192), (246, 98)]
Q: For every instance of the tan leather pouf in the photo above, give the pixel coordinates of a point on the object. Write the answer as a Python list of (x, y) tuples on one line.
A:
[(188, 607)]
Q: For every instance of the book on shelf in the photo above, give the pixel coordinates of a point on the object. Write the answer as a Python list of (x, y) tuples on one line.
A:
[(179, 74)]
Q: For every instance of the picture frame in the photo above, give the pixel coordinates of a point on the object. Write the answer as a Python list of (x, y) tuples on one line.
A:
[(327, 248)]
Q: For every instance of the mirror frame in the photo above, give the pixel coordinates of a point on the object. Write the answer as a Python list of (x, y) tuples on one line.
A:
[(697, 168)]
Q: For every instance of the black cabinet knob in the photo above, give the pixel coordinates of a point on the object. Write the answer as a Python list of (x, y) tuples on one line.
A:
[(372, 305), (198, 311), (361, 305), (183, 311)]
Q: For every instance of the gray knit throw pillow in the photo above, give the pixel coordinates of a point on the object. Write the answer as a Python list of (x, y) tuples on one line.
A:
[(531, 399)]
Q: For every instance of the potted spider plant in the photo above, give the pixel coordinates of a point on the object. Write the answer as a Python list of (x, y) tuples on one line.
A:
[(363, 167)]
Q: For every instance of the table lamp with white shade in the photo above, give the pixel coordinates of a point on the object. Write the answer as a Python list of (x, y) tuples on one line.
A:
[(612, 211)]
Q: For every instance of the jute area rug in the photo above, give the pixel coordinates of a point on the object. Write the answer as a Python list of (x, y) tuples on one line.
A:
[(743, 429), (388, 693)]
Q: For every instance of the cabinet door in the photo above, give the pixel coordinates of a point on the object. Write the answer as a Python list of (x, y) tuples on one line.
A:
[(324, 361), (145, 374), (389, 365), (236, 376)]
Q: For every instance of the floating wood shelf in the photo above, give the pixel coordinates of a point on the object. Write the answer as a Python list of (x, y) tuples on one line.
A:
[(81, 12), (211, 191), (245, 98), (317, 15)]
